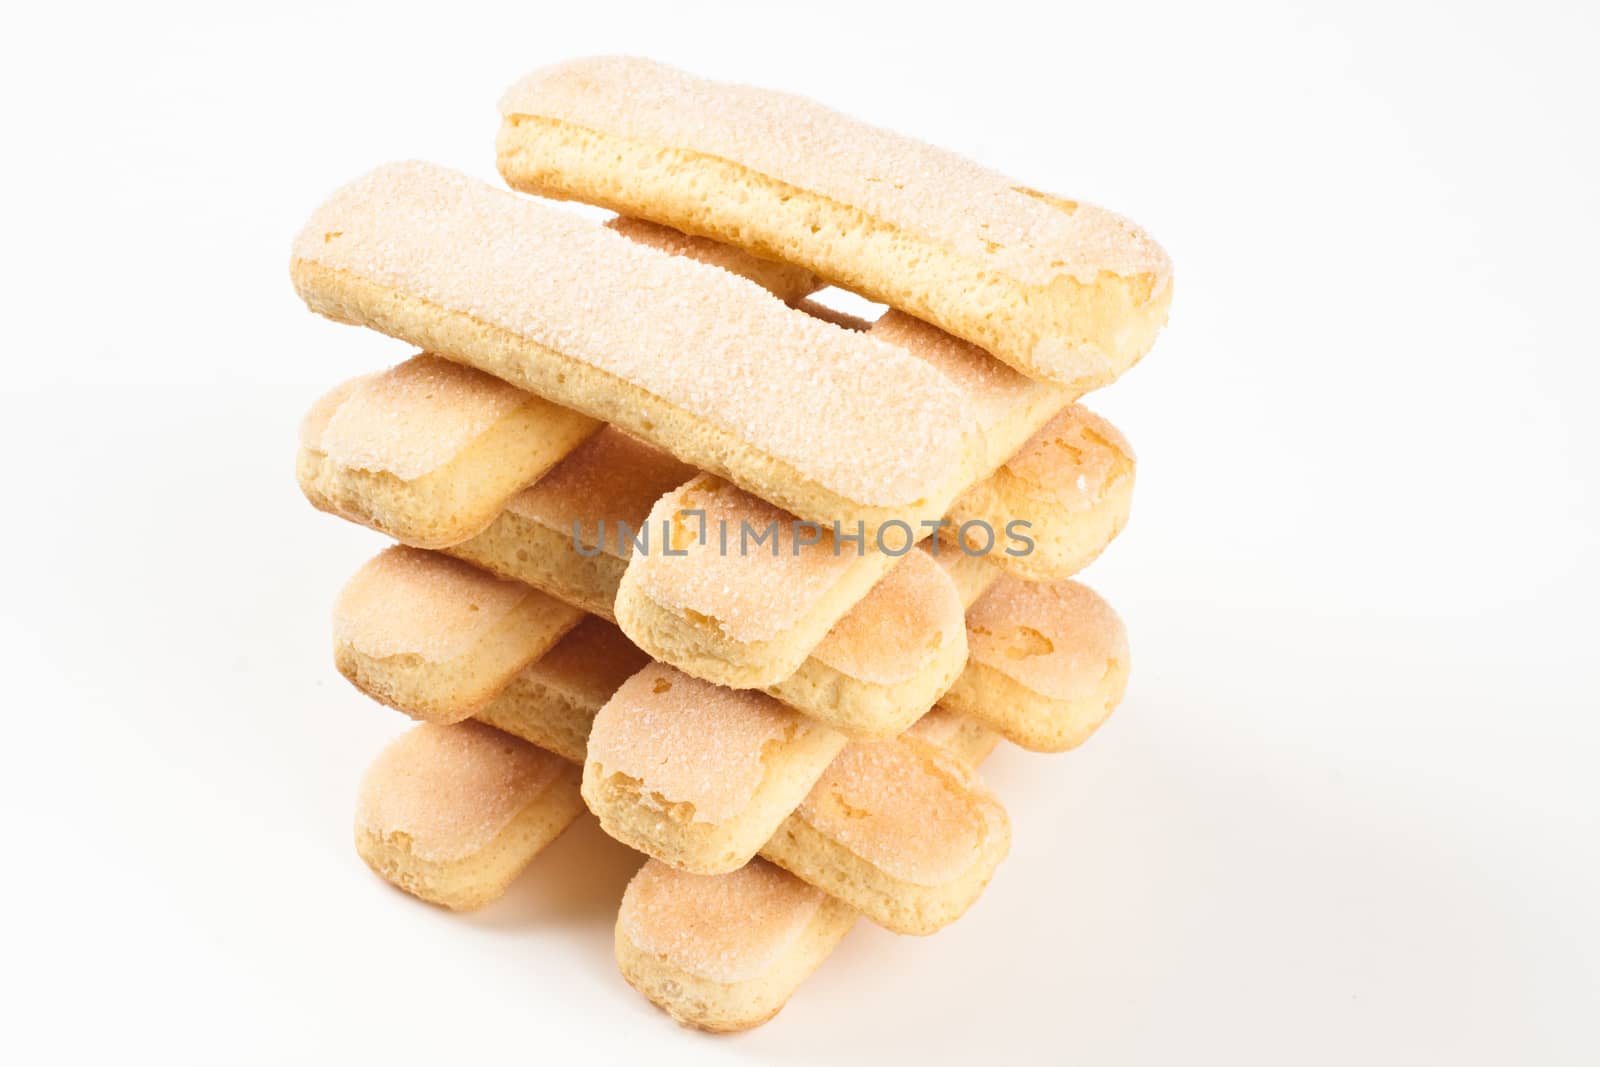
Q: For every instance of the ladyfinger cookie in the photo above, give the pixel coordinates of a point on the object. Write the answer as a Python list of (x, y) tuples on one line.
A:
[(430, 452), (889, 659), (1073, 480), (1007, 407), (699, 776), (1061, 290), (899, 830), (437, 639), (724, 952), (452, 814), (736, 591), (1047, 663), (828, 423)]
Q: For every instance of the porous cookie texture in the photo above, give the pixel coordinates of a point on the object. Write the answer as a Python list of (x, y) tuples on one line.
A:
[(695, 775), (900, 831), (724, 952), (429, 452), (452, 814), (669, 349), (1059, 289), (1072, 483), (714, 600), (1047, 663), (437, 639)]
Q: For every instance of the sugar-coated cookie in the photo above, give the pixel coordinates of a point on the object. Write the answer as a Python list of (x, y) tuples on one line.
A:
[(429, 452), (724, 952), (886, 662), (669, 349), (1073, 483), (712, 600), (438, 639), (1061, 290), (1047, 663), (699, 776), (1007, 407), (453, 813), (899, 830)]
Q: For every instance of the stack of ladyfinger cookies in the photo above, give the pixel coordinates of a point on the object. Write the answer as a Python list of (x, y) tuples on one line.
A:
[(756, 583)]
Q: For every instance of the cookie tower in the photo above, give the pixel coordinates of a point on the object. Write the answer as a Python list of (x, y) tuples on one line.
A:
[(756, 584)]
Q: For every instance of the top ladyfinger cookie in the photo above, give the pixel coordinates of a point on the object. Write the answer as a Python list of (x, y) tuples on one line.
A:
[(1061, 290), (828, 423)]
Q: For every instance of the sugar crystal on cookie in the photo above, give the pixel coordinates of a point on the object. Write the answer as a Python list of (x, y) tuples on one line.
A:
[(415, 418), (690, 742), (450, 789), (409, 602), (728, 928), (908, 811), (753, 591)]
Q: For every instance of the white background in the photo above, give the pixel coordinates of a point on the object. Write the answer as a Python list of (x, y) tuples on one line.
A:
[(1349, 808)]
